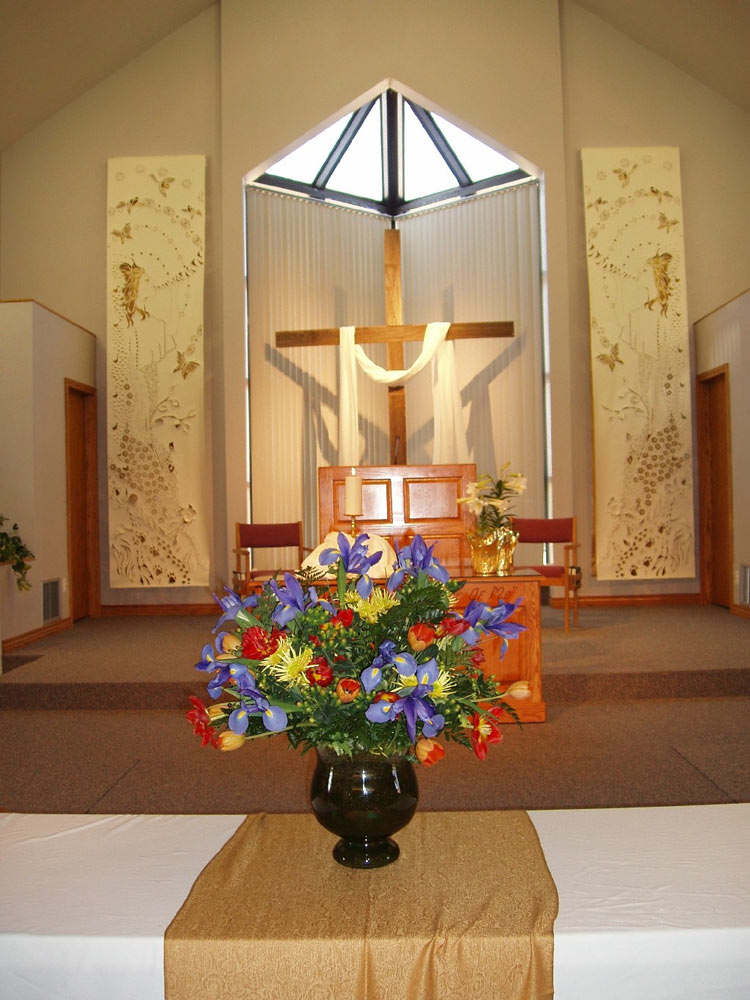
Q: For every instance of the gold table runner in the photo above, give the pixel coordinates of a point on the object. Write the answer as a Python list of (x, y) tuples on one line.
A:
[(467, 911)]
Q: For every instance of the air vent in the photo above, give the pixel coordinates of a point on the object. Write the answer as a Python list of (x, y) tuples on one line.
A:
[(50, 600)]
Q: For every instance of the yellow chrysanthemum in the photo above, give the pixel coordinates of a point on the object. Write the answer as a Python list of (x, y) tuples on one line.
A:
[(443, 686), (286, 664), (371, 608)]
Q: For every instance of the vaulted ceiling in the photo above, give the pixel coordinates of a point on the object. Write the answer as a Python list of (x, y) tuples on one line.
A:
[(39, 75)]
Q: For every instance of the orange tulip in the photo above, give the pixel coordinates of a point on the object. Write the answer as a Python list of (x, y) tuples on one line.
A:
[(347, 690), (420, 636), (429, 752), (230, 740)]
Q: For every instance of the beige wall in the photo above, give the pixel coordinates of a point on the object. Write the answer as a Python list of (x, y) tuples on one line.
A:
[(38, 351), (243, 83), (53, 208)]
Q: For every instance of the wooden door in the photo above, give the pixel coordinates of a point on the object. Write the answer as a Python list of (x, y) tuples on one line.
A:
[(82, 499), (715, 486)]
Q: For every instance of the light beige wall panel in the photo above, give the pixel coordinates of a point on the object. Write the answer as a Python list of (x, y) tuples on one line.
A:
[(16, 453), (39, 351), (618, 94)]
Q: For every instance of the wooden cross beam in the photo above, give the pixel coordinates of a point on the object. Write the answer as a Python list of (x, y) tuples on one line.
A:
[(395, 334)]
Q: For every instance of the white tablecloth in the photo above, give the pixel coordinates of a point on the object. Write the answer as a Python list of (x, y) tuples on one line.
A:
[(654, 903)]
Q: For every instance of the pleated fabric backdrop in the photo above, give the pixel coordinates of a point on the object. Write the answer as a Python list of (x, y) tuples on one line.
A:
[(312, 265)]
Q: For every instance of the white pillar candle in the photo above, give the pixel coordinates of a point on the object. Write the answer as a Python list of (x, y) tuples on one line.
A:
[(353, 495)]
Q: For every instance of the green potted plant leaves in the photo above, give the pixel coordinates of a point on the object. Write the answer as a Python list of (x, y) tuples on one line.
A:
[(14, 552)]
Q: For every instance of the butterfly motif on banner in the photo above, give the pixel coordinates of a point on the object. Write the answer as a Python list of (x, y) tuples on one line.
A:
[(612, 358), (185, 367)]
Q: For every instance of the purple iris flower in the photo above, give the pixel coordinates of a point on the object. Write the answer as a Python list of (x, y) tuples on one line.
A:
[(254, 703), (386, 649), (355, 559), (209, 663), (483, 619), (414, 559), (291, 599), (231, 604), (372, 676), (497, 622), (414, 703), (208, 659)]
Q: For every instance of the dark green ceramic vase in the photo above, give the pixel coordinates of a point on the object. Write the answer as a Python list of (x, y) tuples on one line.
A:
[(364, 799)]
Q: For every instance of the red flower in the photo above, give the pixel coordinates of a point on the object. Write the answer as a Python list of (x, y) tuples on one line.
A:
[(485, 730), (420, 636), (321, 673), (343, 619), (477, 658), (347, 689), (452, 626), (429, 752), (257, 644), (200, 719)]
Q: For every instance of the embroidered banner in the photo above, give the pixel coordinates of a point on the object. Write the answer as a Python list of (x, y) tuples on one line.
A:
[(640, 360), (158, 525)]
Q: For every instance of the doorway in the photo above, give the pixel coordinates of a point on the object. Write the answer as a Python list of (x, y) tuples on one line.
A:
[(715, 486), (82, 498)]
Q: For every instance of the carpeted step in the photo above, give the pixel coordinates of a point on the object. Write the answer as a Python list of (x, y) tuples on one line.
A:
[(558, 688), (637, 685)]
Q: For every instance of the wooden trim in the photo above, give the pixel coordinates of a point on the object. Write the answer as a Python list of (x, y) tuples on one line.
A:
[(330, 336), (91, 487), (611, 600), (155, 610), (721, 372), (43, 632), (741, 610)]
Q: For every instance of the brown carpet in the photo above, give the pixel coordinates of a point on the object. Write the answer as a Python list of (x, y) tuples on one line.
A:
[(93, 721)]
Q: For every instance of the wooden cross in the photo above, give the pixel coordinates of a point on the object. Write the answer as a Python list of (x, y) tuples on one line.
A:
[(395, 334)]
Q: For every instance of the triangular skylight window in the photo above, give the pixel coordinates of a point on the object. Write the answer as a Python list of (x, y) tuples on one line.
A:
[(391, 157)]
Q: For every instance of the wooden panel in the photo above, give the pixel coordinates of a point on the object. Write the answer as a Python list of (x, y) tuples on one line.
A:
[(82, 499), (434, 499), (400, 501), (523, 659)]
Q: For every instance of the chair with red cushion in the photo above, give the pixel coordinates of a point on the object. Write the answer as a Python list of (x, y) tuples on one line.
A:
[(567, 574), (284, 535)]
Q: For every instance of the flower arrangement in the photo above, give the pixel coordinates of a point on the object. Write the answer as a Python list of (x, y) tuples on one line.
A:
[(355, 666), (489, 500), (14, 551)]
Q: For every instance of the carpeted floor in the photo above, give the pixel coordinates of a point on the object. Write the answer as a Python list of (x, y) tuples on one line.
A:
[(646, 706)]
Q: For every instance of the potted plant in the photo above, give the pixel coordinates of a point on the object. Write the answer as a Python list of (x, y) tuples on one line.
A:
[(373, 678), (15, 553), (492, 539)]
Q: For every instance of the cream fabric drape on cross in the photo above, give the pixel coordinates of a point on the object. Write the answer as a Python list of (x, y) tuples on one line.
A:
[(449, 444)]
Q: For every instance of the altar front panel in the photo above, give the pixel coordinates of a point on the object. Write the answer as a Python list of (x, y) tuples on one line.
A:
[(523, 657)]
